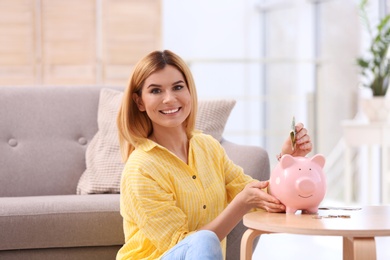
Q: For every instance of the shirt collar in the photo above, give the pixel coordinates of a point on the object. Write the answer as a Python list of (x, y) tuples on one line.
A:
[(147, 145)]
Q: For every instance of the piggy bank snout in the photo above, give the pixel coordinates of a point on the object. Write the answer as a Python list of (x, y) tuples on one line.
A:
[(305, 186)]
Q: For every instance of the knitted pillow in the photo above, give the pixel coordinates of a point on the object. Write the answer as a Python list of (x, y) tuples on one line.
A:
[(213, 115), (103, 160), (102, 157)]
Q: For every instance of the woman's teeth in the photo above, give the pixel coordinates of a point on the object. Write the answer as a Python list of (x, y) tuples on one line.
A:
[(170, 111)]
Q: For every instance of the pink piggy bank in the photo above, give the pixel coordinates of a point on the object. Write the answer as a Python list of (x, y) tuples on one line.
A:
[(299, 183)]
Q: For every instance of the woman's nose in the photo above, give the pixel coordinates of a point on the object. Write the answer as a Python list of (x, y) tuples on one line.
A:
[(168, 97)]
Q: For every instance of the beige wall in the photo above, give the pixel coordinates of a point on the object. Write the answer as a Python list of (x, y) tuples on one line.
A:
[(73, 42)]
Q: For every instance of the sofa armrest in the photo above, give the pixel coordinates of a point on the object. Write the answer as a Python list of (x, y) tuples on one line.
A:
[(253, 159), (255, 162)]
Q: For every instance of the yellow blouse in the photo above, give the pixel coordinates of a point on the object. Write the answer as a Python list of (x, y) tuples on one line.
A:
[(163, 199)]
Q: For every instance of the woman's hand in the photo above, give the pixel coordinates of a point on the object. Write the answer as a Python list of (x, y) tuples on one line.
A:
[(303, 143), (252, 196)]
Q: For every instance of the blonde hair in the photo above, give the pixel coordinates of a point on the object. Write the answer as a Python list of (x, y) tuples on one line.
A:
[(134, 125)]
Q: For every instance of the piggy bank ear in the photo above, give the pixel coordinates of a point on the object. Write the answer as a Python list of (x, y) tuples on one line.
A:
[(286, 161), (318, 159)]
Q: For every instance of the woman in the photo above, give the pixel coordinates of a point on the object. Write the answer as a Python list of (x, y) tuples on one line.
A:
[(180, 194)]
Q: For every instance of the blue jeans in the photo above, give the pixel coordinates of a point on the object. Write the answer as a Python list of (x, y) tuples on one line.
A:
[(203, 244)]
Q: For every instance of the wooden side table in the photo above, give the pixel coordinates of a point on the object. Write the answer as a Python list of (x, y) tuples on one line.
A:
[(358, 227)]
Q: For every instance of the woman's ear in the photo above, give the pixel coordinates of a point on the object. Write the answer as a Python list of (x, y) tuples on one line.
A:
[(138, 100)]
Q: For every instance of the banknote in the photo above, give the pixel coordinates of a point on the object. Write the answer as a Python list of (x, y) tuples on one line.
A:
[(293, 134)]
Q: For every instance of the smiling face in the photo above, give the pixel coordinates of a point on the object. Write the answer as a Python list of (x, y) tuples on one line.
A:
[(165, 98)]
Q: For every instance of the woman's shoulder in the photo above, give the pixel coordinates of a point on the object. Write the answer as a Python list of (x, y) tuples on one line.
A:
[(141, 155), (141, 163)]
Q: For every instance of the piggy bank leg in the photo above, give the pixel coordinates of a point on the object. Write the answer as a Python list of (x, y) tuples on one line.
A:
[(290, 210), (313, 210)]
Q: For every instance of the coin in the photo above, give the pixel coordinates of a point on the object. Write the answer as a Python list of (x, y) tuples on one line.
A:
[(344, 216), (331, 216)]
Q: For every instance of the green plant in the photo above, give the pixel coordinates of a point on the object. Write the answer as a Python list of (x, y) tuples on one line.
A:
[(375, 68)]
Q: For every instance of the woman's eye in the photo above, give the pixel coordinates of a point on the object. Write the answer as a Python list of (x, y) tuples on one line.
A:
[(155, 91), (178, 87)]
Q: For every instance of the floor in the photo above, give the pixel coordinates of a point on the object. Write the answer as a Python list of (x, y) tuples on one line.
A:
[(302, 247)]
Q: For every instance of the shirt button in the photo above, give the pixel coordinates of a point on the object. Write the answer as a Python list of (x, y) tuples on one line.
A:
[(194, 177), (204, 206)]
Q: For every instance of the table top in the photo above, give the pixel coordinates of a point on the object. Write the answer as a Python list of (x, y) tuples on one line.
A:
[(357, 133), (349, 222), (364, 124)]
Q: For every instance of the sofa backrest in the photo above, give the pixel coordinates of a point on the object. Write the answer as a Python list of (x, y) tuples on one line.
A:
[(44, 133)]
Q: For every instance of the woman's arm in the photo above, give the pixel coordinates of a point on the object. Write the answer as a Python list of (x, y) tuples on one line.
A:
[(252, 196)]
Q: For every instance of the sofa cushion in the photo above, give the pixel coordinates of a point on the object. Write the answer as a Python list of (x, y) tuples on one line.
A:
[(68, 253), (60, 221), (103, 160)]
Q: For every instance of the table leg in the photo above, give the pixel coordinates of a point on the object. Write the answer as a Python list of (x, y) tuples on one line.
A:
[(348, 176), (247, 243), (359, 248), (384, 173)]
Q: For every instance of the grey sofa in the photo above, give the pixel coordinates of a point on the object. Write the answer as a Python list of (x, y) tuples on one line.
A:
[(44, 133)]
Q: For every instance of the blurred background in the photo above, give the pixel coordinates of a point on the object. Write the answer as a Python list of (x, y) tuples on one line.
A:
[(278, 59)]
